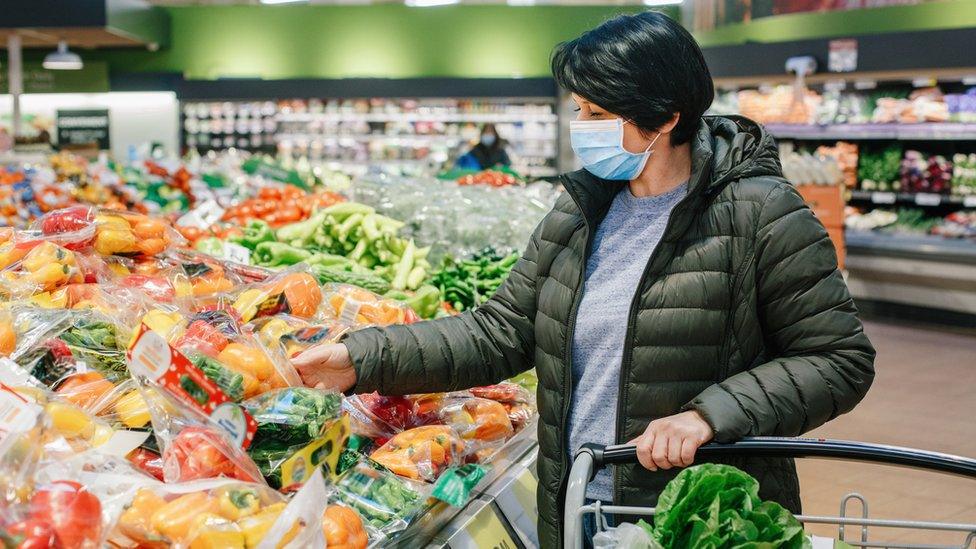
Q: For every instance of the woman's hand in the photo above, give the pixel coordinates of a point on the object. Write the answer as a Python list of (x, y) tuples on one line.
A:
[(672, 441), (326, 367)]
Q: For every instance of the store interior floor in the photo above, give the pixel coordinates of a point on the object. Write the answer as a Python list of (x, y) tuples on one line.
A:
[(923, 397)]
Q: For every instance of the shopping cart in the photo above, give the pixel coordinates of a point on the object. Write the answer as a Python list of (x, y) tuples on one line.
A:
[(591, 458)]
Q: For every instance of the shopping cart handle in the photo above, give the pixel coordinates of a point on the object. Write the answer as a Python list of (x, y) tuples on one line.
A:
[(778, 447)]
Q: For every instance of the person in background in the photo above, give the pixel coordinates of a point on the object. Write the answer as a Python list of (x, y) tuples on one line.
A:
[(488, 153)]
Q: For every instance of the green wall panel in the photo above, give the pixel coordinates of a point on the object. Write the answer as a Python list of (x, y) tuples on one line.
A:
[(386, 41), (935, 15)]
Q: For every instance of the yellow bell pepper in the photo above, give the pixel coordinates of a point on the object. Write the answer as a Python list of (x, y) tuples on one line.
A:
[(70, 421), (11, 253), (255, 527), (51, 300), (167, 324), (132, 410), (176, 517), (247, 303), (244, 358), (50, 276), (212, 538), (211, 531), (135, 523), (46, 253), (112, 221), (237, 504), (111, 240), (274, 330)]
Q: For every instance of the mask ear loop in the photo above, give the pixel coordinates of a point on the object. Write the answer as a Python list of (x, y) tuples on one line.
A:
[(653, 141)]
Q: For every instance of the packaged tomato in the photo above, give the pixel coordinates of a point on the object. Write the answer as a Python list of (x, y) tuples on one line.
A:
[(379, 417), (517, 400)]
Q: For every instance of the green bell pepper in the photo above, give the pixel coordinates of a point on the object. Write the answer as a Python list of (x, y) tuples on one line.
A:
[(211, 246), (255, 232), (279, 254)]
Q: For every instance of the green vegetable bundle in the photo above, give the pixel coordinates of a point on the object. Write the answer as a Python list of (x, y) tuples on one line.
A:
[(347, 241), (94, 342), (469, 283), (229, 381), (712, 506), (880, 170), (383, 500), (288, 420)]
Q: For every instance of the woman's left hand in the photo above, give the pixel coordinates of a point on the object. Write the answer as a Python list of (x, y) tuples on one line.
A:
[(672, 441)]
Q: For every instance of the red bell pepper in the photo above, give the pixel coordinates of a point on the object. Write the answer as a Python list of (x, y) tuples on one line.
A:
[(73, 512)]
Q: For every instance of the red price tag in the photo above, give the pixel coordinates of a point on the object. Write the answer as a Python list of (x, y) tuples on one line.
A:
[(150, 355)]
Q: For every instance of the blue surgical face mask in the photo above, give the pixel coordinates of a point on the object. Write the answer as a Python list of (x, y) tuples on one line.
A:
[(600, 145), (488, 139)]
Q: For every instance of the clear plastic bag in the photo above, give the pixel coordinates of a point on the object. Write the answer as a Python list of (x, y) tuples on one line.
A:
[(386, 502), (421, 453), (294, 291), (358, 308), (625, 536), (298, 429)]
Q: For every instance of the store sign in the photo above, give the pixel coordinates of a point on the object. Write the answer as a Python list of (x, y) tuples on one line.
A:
[(83, 127), (92, 78), (842, 55)]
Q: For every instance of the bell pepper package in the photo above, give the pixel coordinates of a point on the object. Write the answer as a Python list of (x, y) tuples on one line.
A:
[(60, 513), (298, 430), (73, 228), (517, 400), (293, 291), (380, 417), (45, 267), (359, 308), (133, 235), (215, 513), (201, 431), (53, 344), (293, 335), (421, 453)]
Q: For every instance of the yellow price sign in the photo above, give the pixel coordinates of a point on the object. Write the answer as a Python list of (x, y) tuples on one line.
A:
[(487, 531)]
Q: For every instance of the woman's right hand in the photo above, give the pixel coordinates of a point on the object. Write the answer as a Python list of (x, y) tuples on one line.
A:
[(326, 367)]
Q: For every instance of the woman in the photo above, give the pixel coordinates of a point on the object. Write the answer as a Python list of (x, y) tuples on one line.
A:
[(488, 153), (680, 291)]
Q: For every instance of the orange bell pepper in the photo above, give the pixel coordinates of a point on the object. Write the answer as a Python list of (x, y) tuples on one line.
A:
[(302, 293), (343, 528), (85, 389)]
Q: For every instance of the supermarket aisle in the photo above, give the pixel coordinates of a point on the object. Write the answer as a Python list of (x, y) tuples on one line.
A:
[(924, 396)]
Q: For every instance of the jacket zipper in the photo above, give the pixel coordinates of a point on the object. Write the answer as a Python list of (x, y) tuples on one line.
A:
[(570, 330), (631, 322)]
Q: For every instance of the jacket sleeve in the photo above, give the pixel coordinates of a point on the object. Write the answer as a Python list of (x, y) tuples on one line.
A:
[(821, 362), (480, 347)]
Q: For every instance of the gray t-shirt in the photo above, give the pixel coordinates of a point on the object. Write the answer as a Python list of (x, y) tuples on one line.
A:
[(622, 246)]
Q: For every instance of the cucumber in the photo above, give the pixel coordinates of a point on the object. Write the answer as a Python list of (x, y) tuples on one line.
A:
[(370, 282)]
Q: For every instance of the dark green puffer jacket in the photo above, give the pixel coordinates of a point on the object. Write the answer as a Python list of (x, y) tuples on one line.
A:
[(742, 315)]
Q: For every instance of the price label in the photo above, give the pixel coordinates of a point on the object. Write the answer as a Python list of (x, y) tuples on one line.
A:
[(865, 84), (203, 216), (883, 198), (928, 199), (17, 415), (237, 253), (488, 531), (969, 202), (923, 82)]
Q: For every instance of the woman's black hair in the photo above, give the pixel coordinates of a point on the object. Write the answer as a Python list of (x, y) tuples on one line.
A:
[(643, 67)]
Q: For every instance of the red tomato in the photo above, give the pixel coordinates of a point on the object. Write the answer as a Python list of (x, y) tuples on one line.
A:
[(395, 411), (32, 533), (74, 513), (67, 220)]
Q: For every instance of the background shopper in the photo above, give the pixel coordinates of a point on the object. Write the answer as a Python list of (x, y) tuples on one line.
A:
[(488, 153)]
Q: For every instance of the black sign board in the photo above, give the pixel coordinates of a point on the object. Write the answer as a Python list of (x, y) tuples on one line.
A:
[(83, 127)]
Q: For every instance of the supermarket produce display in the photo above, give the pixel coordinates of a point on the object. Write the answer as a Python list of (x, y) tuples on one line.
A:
[(146, 372)]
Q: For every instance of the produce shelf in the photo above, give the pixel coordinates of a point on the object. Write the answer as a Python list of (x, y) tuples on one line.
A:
[(417, 117), (924, 247), (947, 131), (916, 199), (406, 137)]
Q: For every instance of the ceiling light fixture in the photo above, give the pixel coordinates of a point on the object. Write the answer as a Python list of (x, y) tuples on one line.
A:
[(521, 2), (275, 2), (63, 59), (655, 3), (430, 3)]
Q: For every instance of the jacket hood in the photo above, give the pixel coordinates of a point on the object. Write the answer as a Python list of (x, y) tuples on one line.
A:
[(724, 150)]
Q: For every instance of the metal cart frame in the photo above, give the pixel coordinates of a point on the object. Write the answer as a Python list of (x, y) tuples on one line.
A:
[(592, 458)]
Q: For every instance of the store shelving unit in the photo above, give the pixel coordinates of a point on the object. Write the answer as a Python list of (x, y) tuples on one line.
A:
[(400, 135), (947, 131), (924, 200)]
